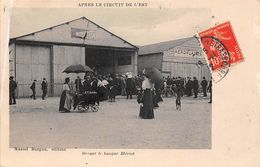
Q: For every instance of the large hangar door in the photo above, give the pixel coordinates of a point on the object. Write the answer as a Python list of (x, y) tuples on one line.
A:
[(32, 62)]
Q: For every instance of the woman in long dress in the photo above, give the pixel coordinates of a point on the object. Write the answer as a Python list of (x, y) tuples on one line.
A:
[(65, 99), (146, 110)]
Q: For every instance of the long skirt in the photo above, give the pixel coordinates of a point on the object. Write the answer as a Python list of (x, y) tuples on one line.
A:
[(103, 93), (112, 92), (65, 102), (146, 111)]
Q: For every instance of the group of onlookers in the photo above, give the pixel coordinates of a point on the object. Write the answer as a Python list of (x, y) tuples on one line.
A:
[(189, 86), (108, 86), (13, 86), (112, 85), (44, 87)]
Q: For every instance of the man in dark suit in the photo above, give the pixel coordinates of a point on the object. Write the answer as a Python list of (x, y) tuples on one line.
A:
[(33, 87), (87, 83), (195, 87), (12, 87), (44, 88), (78, 84), (204, 84), (130, 87), (189, 87)]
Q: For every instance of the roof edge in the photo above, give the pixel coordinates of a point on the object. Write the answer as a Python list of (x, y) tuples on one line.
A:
[(11, 40), (45, 29), (110, 32)]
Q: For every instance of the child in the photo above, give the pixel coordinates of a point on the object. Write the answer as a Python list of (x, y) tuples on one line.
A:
[(178, 102), (112, 93)]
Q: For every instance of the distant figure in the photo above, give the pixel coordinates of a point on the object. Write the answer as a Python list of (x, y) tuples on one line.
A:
[(33, 87), (130, 87), (112, 90), (65, 99), (104, 88), (189, 87), (12, 88), (179, 94), (195, 87), (78, 84), (210, 90), (204, 84), (87, 84), (122, 85), (44, 88)]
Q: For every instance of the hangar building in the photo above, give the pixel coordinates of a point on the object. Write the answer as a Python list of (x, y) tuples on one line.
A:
[(181, 57), (46, 53)]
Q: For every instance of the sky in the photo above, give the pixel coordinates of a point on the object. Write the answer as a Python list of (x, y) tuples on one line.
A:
[(137, 26)]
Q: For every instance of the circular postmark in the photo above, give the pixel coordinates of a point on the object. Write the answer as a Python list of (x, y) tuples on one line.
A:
[(218, 57)]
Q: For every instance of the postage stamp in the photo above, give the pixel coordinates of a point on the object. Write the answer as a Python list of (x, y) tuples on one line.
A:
[(221, 49)]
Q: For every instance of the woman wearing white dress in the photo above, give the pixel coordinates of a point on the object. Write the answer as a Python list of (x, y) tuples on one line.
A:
[(146, 111), (65, 99)]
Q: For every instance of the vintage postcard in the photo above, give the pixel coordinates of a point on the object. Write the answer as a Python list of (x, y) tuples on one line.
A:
[(130, 83)]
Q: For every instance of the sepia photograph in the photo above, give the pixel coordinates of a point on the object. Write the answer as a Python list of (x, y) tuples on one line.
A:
[(109, 79), (129, 83)]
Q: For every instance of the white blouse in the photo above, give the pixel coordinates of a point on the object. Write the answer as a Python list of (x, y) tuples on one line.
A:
[(147, 84), (65, 87)]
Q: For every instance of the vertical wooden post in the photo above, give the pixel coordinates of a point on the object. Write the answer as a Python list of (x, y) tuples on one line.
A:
[(51, 71), (114, 64), (17, 89), (135, 59)]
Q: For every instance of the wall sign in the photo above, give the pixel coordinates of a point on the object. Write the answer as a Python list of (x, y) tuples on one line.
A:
[(184, 52), (83, 34)]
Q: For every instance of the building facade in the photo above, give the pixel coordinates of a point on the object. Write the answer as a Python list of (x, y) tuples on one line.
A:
[(182, 57), (46, 53)]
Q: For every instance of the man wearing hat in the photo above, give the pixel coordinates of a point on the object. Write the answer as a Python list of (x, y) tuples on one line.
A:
[(195, 87), (44, 88), (12, 87), (130, 86), (33, 87)]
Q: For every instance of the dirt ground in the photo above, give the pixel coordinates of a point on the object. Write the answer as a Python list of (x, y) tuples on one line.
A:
[(38, 123)]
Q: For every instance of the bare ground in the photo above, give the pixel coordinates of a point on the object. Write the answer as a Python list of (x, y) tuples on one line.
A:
[(38, 123)]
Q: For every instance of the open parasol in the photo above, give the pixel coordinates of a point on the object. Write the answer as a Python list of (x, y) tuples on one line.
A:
[(155, 75), (79, 68)]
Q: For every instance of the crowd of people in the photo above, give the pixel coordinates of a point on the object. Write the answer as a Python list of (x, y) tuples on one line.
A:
[(109, 86), (112, 85)]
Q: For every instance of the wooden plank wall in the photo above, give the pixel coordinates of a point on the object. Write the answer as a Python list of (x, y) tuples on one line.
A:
[(32, 63), (63, 56)]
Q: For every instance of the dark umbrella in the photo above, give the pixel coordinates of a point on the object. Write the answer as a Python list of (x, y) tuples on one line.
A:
[(79, 68), (155, 75)]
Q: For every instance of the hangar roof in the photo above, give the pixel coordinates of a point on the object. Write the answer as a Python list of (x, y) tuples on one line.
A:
[(164, 46), (80, 31)]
